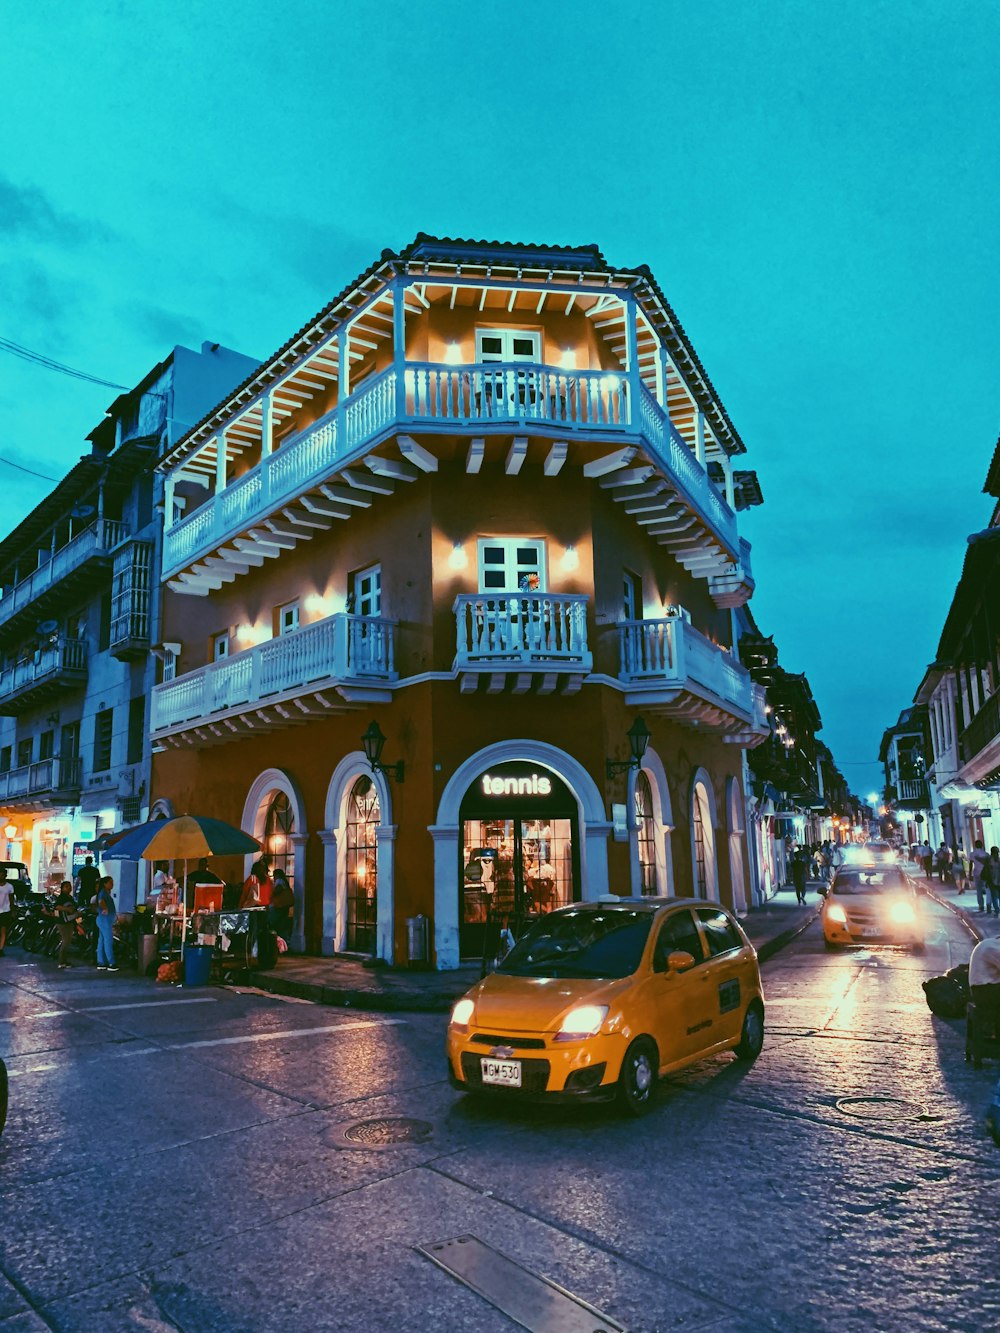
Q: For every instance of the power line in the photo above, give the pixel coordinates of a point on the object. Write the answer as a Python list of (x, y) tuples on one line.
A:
[(47, 363), (31, 472)]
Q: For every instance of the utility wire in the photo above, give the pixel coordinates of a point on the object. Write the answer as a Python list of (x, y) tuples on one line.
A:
[(30, 471), (47, 363)]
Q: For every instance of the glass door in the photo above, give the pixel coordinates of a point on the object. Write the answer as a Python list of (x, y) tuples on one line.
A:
[(363, 818)]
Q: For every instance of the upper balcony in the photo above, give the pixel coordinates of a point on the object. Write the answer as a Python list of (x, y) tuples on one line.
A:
[(51, 781), (530, 641), (979, 745), (913, 793), (672, 668), (59, 579), (327, 667), (49, 670)]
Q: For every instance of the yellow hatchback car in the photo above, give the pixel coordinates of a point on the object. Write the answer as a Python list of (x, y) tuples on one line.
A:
[(872, 904), (598, 999)]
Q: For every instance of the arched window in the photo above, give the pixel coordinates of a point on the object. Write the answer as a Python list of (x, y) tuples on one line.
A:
[(703, 842), (363, 818), (279, 825), (645, 824)]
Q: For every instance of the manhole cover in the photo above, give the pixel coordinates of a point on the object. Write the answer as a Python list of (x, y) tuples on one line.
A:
[(380, 1132), (882, 1108)]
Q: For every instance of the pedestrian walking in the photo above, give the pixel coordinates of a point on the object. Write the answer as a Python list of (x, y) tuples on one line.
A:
[(106, 918), (6, 909), (66, 913), (963, 874), (800, 863), (980, 859), (942, 862), (926, 858)]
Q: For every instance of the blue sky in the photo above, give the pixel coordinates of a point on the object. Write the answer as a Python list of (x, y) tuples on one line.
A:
[(815, 187)]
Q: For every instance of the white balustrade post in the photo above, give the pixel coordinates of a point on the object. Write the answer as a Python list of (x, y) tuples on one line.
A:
[(632, 354), (266, 424), (220, 462), (699, 435), (399, 338), (256, 670), (343, 365)]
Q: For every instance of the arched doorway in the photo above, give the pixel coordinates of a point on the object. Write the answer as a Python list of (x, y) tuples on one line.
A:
[(274, 813), (704, 867), (361, 866)]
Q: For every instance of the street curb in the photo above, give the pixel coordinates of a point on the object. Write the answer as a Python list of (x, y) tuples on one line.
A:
[(960, 912), (410, 1002), (772, 946)]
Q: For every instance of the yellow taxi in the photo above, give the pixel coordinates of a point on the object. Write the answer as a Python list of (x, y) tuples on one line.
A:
[(597, 1000), (872, 904)]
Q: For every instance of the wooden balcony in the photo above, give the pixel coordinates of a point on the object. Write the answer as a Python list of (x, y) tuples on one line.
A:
[(59, 580), (979, 744), (49, 670), (913, 793), (672, 668), (51, 781), (330, 666), (522, 642), (288, 494)]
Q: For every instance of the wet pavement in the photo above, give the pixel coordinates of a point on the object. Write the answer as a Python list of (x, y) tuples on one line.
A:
[(177, 1159)]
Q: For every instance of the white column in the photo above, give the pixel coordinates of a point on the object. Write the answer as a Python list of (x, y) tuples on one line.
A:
[(446, 945), (727, 468), (299, 841), (662, 377), (330, 932), (343, 365), (399, 326), (220, 462), (385, 907), (266, 425), (632, 353), (169, 482), (594, 860), (699, 435)]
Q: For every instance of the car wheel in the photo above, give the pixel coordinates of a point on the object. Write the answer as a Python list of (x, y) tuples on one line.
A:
[(829, 944), (637, 1080), (752, 1035)]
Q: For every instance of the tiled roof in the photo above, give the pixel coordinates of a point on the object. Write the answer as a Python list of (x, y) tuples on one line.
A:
[(992, 484)]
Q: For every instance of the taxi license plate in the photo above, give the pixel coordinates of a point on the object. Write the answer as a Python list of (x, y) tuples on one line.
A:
[(501, 1073), (870, 932)]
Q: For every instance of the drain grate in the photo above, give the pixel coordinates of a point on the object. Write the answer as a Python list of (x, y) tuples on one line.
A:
[(386, 1130), (882, 1108)]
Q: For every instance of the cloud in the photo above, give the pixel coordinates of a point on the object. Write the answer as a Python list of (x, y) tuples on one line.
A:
[(28, 212), (163, 326), (37, 301)]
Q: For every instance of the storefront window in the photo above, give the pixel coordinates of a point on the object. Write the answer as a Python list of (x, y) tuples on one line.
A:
[(519, 853), (646, 830), (279, 825), (703, 839), (363, 818)]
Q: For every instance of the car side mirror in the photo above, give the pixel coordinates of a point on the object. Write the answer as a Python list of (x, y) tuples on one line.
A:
[(678, 960)]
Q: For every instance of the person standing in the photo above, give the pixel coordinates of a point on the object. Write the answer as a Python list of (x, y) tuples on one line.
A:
[(201, 877), (991, 878), (87, 879), (279, 912), (942, 862), (65, 912), (6, 910), (799, 867), (980, 859), (106, 918)]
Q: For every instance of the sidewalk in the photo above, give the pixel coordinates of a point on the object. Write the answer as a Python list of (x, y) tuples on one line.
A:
[(963, 905), (348, 983)]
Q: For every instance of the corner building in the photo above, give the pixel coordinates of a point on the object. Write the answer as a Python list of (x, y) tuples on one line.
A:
[(486, 500)]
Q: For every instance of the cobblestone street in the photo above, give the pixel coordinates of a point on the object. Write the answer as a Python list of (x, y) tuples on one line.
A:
[(176, 1160)]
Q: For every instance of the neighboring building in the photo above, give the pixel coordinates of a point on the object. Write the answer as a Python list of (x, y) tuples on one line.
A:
[(903, 756), (958, 699), (78, 616), (470, 503)]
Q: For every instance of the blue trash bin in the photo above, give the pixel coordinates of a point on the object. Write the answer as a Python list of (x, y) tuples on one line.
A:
[(197, 964)]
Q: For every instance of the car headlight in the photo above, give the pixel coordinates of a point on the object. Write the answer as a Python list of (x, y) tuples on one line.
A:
[(462, 1014), (584, 1021), (902, 913), (836, 914)]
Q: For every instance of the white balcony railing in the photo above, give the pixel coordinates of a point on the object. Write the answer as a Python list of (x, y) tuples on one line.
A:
[(52, 774), (69, 655), (519, 630), (672, 653), (341, 648), (99, 539), (424, 393)]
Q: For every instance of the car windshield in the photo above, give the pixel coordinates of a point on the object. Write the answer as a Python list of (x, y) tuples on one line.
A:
[(580, 944), (871, 879)]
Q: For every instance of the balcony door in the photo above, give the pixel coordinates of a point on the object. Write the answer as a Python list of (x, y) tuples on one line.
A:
[(506, 621)]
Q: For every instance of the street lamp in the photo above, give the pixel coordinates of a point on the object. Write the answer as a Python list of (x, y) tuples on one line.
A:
[(374, 742), (638, 738)]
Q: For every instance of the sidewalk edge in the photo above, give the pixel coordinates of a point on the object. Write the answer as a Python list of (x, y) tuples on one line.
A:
[(346, 998), (778, 942), (967, 921)]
